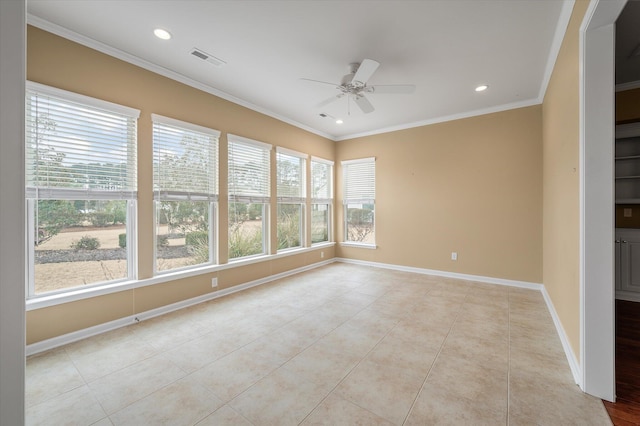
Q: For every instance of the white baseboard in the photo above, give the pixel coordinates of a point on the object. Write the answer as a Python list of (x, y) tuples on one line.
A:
[(576, 370), (122, 322), (65, 339), (573, 363), (446, 274)]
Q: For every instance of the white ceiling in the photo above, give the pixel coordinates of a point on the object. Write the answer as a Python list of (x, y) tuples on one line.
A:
[(446, 48)]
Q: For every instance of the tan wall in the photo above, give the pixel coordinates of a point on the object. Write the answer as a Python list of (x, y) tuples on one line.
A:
[(60, 63), (561, 203), (473, 186), (628, 106)]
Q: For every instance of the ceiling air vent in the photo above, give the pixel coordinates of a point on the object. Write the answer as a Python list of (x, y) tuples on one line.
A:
[(207, 57)]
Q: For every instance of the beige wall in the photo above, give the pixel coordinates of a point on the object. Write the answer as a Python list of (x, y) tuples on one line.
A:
[(60, 63), (561, 203), (473, 186)]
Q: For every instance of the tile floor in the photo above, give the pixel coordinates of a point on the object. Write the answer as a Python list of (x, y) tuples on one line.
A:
[(338, 345)]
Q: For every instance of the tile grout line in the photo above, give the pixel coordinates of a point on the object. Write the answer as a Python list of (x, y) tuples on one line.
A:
[(353, 368), (434, 361), (304, 349)]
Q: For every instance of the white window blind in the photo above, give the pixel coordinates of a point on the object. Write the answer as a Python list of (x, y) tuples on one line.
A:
[(291, 173), (249, 170), (78, 147), (321, 180), (185, 160), (359, 181)]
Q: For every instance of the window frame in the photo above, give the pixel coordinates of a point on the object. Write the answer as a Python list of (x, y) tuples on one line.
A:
[(263, 196), (358, 195), (300, 200), (317, 201), (211, 196), (34, 193)]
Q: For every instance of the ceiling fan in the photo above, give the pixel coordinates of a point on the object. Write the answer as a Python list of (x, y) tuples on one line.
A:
[(353, 86)]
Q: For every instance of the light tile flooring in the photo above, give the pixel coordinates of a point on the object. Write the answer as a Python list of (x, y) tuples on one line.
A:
[(338, 345)]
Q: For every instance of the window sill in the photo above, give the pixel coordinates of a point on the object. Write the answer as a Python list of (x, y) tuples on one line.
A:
[(359, 245), (73, 295)]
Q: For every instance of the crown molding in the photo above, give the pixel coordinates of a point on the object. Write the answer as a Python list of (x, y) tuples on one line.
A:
[(165, 72)]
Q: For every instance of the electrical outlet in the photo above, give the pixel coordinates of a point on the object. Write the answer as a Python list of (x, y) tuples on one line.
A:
[(214, 282), (628, 212), (454, 255), (321, 255)]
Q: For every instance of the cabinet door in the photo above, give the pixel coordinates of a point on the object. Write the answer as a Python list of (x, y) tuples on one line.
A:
[(632, 269)]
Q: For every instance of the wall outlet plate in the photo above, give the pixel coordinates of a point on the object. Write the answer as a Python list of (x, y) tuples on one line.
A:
[(454, 255), (214, 282)]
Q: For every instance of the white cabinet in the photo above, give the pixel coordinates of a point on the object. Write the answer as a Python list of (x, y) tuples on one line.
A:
[(627, 248), (627, 166)]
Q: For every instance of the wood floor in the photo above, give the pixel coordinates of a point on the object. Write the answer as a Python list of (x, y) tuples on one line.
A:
[(626, 410)]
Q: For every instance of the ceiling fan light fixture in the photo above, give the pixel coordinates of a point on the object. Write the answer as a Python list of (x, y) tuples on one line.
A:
[(481, 88), (162, 34)]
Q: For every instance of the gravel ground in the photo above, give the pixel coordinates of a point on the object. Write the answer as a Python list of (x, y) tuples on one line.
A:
[(58, 256)]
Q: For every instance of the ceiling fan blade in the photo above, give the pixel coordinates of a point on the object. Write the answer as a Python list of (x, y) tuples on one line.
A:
[(364, 104), (328, 101), (365, 71), (391, 88), (322, 82)]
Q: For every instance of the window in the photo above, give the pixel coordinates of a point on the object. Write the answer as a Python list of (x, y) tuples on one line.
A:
[(291, 172), (185, 183), (81, 182), (249, 192), (359, 200), (321, 199)]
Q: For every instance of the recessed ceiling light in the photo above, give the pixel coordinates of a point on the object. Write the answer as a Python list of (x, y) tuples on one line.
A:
[(482, 88), (338, 121), (162, 34)]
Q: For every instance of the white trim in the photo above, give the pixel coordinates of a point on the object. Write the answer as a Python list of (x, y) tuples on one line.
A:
[(358, 245), (242, 140), (82, 99), (65, 339), (292, 153), (119, 54), (156, 118), (627, 130), (358, 160), (628, 86), (556, 44), (12, 214), (629, 296), (443, 119), (446, 274), (596, 251), (568, 351), (81, 293), (322, 160)]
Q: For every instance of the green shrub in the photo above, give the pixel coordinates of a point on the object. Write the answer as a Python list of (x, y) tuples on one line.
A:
[(101, 219), (86, 243), (244, 242), (122, 240), (197, 238)]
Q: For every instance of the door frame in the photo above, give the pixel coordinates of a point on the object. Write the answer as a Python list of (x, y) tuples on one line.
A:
[(597, 198)]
